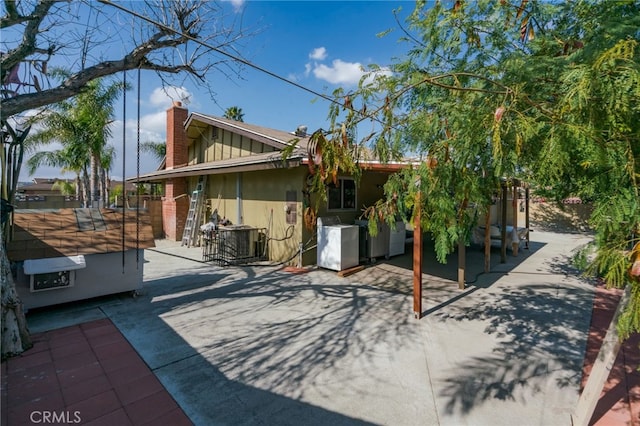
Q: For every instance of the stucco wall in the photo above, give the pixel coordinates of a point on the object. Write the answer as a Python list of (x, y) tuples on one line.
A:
[(263, 201)]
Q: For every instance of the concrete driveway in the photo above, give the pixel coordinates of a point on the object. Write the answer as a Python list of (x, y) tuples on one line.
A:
[(256, 345)]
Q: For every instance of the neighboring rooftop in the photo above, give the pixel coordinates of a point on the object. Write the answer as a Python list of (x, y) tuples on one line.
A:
[(70, 232)]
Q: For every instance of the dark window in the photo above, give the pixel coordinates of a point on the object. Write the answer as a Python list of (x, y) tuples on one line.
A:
[(343, 195)]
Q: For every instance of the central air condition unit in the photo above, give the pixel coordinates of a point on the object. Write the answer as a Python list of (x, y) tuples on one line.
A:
[(239, 242)]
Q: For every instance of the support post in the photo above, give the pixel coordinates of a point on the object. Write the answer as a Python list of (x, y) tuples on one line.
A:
[(461, 263), (515, 240), (487, 241), (526, 212), (503, 224), (417, 261)]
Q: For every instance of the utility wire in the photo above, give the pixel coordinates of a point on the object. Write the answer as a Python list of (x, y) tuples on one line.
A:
[(237, 58)]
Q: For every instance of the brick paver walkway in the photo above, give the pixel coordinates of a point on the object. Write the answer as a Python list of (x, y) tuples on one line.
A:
[(85, 374)]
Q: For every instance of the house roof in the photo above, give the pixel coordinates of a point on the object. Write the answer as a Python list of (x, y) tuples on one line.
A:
[(197, 122), (39, 234), (46, 185), (264, 161)]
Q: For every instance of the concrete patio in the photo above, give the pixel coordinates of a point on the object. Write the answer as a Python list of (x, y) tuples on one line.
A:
[(256, 345)]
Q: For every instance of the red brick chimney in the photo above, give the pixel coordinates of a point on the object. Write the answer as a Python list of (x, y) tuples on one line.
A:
[(175, 204), (177, 153)]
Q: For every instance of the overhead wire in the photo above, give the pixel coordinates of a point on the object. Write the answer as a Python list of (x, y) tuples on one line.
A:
[(241, 60)]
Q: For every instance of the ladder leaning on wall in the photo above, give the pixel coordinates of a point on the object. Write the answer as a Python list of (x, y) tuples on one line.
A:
[(193, 216)]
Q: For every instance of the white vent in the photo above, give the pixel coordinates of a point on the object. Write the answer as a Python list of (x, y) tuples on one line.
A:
[(52, 281), (53, 273)]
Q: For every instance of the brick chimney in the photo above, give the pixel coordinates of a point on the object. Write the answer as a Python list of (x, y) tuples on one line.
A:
[(177, 152), (175, 204)]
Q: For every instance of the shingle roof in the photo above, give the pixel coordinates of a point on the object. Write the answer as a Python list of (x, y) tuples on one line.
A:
[(39, 234), (267, 160), (273, 137)]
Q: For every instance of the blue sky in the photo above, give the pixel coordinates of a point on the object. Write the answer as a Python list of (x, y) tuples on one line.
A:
[(318, 44)]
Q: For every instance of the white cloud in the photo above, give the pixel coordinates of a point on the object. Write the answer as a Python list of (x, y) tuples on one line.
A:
[(339, 72), (162, 97), (318, 54), (381, 72), (237, 4), (154, 125)]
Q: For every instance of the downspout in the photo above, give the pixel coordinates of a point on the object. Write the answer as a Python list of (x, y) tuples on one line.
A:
[(239, 198)]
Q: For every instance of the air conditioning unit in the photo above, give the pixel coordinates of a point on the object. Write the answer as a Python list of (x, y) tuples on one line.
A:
[(53, 273)]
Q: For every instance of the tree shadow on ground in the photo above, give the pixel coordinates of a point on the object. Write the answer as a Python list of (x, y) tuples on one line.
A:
[(274, 335), (287, 330), (540, 331), (433, 270), (242, 369)]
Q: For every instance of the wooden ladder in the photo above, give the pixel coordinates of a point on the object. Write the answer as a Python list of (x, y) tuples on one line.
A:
[(193, 216)]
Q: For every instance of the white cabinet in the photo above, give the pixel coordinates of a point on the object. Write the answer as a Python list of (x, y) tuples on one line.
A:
[(337, 245), (397, 239)]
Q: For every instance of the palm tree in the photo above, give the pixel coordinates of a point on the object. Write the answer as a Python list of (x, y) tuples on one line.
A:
[(108, 156), (157, 149), (81, 125), (70, 158), (65, 187), (234, 113), (95, 109)]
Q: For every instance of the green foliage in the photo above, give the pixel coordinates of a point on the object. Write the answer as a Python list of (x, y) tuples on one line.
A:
[(157, 149), (117, 191), (546, 92), (629, 321), (234, 113), (65, 187), (82, 126)]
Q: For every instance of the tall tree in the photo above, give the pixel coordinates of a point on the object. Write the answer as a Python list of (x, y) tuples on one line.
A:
[(66, 159), (234, 113), (88, 36), (157, 149), (492, 89), (35, 32), (81, 125)]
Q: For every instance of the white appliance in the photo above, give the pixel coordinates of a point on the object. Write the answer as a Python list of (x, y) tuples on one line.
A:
[(337, 244), (397, 239), (377, 246)]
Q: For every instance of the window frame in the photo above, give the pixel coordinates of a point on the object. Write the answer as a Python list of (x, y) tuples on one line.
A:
[(342, 208)]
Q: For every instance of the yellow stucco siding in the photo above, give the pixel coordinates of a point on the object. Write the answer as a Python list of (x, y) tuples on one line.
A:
[(263, 201), (264, 195)]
